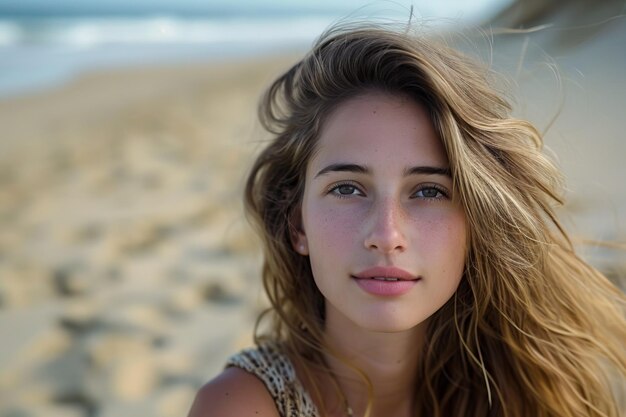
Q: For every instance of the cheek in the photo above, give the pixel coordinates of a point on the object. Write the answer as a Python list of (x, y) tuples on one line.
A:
[(457, 232), (331, 230), (443, 240)]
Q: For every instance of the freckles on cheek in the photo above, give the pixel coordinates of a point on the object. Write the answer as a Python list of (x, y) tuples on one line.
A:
[(444, 231), (333, 229), (455, 235)]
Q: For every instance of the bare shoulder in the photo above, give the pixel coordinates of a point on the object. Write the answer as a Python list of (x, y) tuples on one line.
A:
[(234, 392)]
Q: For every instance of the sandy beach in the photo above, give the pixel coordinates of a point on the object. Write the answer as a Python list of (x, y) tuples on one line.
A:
[(127, 271)]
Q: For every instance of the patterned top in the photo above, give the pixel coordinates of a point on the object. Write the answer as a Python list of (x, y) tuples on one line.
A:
[(268, 363)]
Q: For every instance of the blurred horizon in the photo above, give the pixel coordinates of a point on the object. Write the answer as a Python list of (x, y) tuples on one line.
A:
[(241, 7), (44, 44)]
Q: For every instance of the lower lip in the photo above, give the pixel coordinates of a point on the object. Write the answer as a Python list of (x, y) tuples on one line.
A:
[(385, 288)]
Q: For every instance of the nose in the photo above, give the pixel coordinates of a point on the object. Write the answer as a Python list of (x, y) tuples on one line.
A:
[(385, 232)]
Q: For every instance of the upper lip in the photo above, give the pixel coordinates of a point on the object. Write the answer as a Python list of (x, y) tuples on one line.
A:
[(385, 272)]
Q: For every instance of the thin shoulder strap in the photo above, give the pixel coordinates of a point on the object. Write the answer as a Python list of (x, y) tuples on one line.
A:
[(276, 371)]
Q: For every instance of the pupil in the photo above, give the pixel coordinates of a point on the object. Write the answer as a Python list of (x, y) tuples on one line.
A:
[(345, 189)]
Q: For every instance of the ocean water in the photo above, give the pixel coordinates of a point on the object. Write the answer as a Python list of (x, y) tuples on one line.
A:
[(44, 43), (38, 52)]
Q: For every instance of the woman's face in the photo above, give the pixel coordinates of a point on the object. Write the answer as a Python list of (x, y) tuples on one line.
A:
[(385, 240)]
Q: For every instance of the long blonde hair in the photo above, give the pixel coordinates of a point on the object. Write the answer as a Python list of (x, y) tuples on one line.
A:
[(532, 330)]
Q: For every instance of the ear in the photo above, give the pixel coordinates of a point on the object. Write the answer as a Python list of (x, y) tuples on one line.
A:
[(298, 235)]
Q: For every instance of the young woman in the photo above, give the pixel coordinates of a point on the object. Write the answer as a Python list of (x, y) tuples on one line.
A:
[(413, 260)]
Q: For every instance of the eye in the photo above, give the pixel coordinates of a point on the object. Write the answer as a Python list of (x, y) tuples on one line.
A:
[(345, 190), (430, 192)]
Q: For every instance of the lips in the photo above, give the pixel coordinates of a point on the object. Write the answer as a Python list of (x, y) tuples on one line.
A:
[(385, 281), (386, 273)]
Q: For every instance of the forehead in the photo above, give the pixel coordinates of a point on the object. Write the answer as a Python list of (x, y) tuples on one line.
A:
[(378, 127)]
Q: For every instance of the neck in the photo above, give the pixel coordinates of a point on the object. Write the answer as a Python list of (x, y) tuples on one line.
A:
[(390, 360)]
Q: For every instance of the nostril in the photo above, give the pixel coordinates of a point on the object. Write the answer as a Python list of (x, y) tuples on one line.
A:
[(385, 240), (384, 231)]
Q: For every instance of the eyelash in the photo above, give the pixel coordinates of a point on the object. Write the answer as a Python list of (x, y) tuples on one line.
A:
[(334, 190), (444, 193), (438, 188)]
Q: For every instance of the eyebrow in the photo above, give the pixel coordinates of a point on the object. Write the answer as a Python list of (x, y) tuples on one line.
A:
[(360, 169)]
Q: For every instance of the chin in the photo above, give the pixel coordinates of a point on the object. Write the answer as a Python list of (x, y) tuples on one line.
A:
[(391, 324)]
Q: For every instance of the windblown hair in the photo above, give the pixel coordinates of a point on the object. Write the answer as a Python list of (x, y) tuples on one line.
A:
[(532, 330)]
